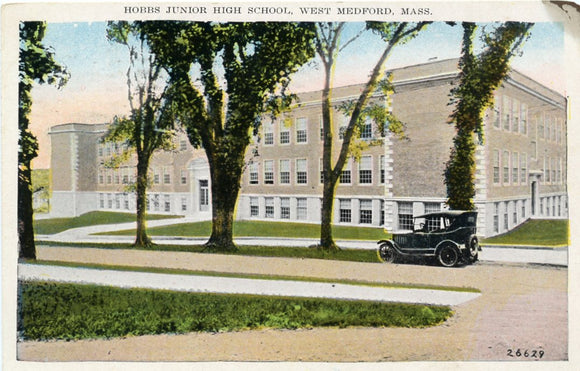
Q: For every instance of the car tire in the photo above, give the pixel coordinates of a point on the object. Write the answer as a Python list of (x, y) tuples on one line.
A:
[(448, 255), (473, 245), (387, 253)]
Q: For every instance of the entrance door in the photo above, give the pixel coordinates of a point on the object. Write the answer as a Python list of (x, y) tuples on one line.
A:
[(203, 195), (534, 188)]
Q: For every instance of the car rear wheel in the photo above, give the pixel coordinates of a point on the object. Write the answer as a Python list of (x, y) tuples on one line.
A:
[(473, 246), (387, 253), (448, 256)]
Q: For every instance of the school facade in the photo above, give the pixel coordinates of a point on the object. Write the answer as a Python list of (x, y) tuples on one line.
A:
[(521, 166)]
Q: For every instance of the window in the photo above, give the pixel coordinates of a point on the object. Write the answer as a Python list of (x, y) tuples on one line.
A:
[(524, 119), (433, 207), (321, 127), (166, 176), (559, 131), (117, 177), (183, 203), (547, 126), (156, 176), (553, 163), (268, 172), (284, 208), (342, 127), (203, 195), (547, 169), (506, 167), (100, 150), (254, 173), (301, 171), (541, 126), (496, 217), (125, 174), (321, 168), (167, 204), (301, 133), (496, 113), (109, 177), (515, 116), (117, 201), (382, 214), (268, 134), (523, 209), (366, 212), (506, 112), (366, 132), (559, 178), (515, 163), (406, 215), (515, 214), (345, 174), (182, 145), (505, 217), (345, 211), (110, 201), (101, 177), (523, 168), (254, 207), (284, 171), (382, 169), (365, 172), (284, 135), (126, 201), (183, 177), (269, 207), (101, 200), (496, 166), (301, 209)]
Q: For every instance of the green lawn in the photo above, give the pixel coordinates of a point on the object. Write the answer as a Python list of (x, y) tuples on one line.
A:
[(71, 311), (56, 225), (535, 232), (244, 228), (357, 255)]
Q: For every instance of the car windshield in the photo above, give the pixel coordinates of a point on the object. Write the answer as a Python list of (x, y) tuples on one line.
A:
[(433, 223)]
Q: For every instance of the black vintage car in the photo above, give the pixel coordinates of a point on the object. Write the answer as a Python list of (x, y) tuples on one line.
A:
[(448, 236)]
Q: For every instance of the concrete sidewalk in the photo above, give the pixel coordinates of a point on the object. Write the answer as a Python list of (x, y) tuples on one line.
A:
[(228, 285)]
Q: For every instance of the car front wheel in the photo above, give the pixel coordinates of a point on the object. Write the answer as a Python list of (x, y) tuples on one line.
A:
[(448, 256), (387, 253)]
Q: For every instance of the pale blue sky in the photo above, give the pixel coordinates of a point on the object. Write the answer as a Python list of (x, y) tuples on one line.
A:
[(97, 88)]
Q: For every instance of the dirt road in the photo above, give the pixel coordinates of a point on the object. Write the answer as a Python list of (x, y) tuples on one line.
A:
[(521, 314)]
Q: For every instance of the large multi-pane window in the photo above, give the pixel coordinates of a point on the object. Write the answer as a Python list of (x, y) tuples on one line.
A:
[(366, 132), (547, 169), (515, 213), (203, 195), (433, 207), (284, 208), (167, 203), (496, 217), (345, 211), (321, 127), (254, 206), (496, 166), (156, 176), (102, 200), (366, 212), (515, 163), (183, 176), (321, 168), (382, 169), (301, 130), (515, 115), (540, 126), (268, 134), (301, 209), (183, 203), (506, 167), (301, 171), (524, 119), (269, 203), (166, 176), (406, 215), (506, 112), (365, 173), (505, 217), (345, 174), (254, 173), (284, 171), (268, 171), (284, 135), (523, 168)]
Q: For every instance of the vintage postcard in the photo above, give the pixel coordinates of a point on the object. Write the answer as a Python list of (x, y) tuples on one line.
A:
[(334, 185)]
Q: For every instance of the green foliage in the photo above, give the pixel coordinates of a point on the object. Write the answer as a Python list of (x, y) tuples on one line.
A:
[(68, 311), (479, 77), (536, 233), (57, 225)]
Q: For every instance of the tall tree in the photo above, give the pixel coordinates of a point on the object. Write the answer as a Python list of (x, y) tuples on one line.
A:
[(36, 65), (149, 126), (226, 76), (479, 77), (328, 46)]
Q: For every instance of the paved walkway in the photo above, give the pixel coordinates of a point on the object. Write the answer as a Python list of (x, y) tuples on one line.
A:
[(530, 254), (228, 285)]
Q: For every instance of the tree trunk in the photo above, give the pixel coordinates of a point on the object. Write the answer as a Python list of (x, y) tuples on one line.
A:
[(224, 196), (141, 238), (326, 239), (27, 249)]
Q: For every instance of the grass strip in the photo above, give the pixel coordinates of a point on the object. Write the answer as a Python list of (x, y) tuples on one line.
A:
[(245, 228), (355, 255), (57, 225), (250, 276), (535, 232), (72, 311)]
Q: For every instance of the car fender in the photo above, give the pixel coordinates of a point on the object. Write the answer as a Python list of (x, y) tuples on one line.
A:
[(393, 244)]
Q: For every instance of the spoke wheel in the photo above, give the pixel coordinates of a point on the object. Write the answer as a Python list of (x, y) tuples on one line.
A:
[(473, 245), (387, 253), (448, 256)]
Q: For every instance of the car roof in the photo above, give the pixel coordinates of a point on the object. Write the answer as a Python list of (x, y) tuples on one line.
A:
[(447, 213)]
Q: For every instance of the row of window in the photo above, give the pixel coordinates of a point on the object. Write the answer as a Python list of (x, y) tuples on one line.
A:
[(301, 130), (516, 208), (515, 174), (512, 115), (365, 171), (127, 175), (112, 148), (300, 209)]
